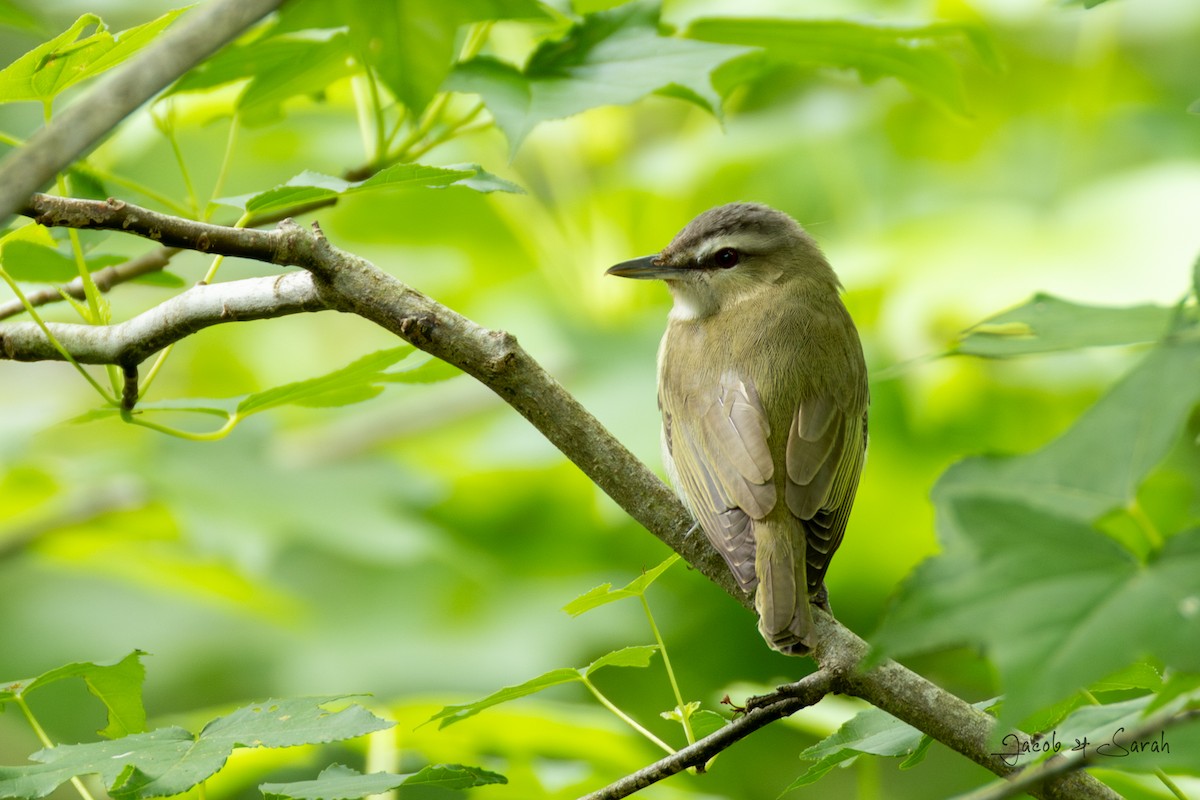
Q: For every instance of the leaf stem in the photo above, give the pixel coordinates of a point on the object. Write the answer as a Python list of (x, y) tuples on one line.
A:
[(48, 743), (1172, 787), (231, 422), (223, 172), (685, 716), (1147, 526), (168, 130), (628, 720)]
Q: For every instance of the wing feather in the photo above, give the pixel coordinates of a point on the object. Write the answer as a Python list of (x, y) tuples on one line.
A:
[(825, 452), (722, 461)]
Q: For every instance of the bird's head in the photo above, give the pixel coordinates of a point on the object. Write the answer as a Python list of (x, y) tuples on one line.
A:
[(730, 254)]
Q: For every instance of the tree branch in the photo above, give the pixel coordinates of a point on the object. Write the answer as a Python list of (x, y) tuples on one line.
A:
[(131, 342), (151, 261), (76, 130), (348, 283)]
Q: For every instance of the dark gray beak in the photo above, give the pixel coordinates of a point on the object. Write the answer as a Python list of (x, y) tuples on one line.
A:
[(643, 268)]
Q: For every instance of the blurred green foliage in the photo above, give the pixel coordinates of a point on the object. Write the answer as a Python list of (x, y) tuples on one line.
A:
[(419, 545)]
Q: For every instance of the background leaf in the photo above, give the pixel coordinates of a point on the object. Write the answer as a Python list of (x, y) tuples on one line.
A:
[(1046, 324), (917, 55), (118, 685), (168, 761), (612, 57)]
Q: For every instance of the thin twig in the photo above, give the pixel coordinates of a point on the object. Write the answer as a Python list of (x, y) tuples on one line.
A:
[(151, 261), (1073, 760), (815, 686)]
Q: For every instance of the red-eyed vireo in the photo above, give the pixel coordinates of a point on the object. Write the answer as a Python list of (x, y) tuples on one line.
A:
[(763, 392)]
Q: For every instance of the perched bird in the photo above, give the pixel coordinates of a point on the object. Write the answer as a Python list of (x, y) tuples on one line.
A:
[(763, 391)]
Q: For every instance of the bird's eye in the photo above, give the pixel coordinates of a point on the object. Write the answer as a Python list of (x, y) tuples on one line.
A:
[(726, 257)]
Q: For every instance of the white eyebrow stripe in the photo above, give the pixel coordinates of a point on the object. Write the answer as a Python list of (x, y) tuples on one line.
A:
[(742, 242)]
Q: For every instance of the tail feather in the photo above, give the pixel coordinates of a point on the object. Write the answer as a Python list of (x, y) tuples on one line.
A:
[(784, 617)]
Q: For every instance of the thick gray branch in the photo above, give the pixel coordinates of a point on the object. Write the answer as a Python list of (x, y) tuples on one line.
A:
[(347, 283), (131, 342), (78, 129)]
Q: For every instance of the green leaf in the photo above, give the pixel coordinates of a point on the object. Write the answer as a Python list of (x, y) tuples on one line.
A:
[(312, 66), (118, 685), (872, 731), (313, 187), (1044, 595), (162, 278), (605, 594), (454, 777), (612, 57), (169, 761), (353, 383), (706, 723), (409, 45), (336, 782), (1045, 324), (1093, 728), (627, 657), (1098, 464), (34, 257), (63, 61), (637, 656), (432, 370), (36, 263), (483, 181), (1135, 676), (916, 55), (457, 713)]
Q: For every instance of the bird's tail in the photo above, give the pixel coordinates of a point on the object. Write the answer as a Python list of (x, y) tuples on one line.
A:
[(784, 617)]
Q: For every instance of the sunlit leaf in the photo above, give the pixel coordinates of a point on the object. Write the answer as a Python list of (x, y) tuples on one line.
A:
[(171, 760), (432, 370), (314, 187), (612, 57), (454, 777), (626, 657), (483, 181), (411, 47), (313, 66), (1046, 323), (457, 713), (352, 383), (917, 55), (336, 782), (605, 594), (66, 59), (118, 685), (638, 656)]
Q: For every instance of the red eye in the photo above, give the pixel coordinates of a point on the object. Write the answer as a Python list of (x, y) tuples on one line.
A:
[(726, 257)]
